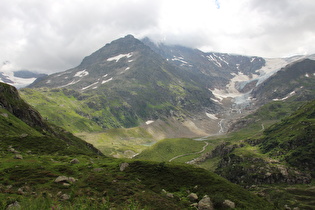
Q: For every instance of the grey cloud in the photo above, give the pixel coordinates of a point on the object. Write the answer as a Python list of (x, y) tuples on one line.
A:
[(54, 35)]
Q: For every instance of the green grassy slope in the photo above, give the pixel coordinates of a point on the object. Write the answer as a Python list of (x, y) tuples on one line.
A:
[(100, 184), (293, 139), (119, 142), (167, 149), (23, 128), (59, 106)]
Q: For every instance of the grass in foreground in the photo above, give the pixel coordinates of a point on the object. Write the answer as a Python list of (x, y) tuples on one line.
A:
[(100, 184)]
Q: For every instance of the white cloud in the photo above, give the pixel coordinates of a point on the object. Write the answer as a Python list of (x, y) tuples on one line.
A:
[(54, 35)]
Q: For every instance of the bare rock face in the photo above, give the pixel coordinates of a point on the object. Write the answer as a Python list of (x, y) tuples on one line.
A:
[(205, 203)]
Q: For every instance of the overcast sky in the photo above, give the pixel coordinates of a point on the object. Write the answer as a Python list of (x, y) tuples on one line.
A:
[(55, 35)]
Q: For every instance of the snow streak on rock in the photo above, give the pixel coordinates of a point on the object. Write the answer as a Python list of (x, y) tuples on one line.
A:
[(118, 57)]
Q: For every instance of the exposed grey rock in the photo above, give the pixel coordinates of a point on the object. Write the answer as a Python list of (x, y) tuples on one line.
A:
[(4, 115), (20, 191), (170, 195), (11, 149), (123, 166), (61, 179), (23, 135), (98, 169), (14, 206), (194, 205), (17, 156), (229, 204), (192, 197), (71, 179), (205, 203), (65, 197), (65, 179), (74, 161)]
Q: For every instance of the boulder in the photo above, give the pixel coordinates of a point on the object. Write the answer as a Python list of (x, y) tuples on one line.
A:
[(192, 197), (170, 195), (14, 206), (228, 204), (205, 203), (17, 156), (72, 180), (65, 179), (61, 179), (65, 197), (74, 161), (123, 166)]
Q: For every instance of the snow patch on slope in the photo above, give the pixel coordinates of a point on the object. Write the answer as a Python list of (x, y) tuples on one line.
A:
[(288, 96), (107, 80), (82, 73), (118, 57), (211, 116), (95, 83), (149, 122)]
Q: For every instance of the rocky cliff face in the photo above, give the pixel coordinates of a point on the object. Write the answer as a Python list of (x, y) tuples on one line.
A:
[(11, 101)]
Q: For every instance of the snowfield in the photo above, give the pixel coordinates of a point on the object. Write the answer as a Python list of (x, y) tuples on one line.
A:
[(272, 66)]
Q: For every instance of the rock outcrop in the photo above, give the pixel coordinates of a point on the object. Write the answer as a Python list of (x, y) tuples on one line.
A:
[(254, 170)]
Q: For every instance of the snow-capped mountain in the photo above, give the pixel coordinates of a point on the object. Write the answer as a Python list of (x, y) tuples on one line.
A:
[(19, 79), (227, 76), (129, 82)]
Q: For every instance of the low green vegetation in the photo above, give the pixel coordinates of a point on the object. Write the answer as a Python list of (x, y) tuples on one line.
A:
[(61, 108), (98, 183), (119, 142), (293, 139), (167, 149)]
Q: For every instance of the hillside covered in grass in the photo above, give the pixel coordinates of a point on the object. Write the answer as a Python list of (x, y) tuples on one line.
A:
[(23, 129), (268, 152), (45, 167)]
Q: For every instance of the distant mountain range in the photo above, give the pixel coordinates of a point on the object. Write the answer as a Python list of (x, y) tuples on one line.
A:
[(129, 82), (19, 79)]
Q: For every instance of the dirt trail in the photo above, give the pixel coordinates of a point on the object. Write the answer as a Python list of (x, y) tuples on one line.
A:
[(194, 153)]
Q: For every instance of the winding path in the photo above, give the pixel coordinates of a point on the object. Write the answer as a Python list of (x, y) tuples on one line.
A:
[(194, 153), (262, 127)]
